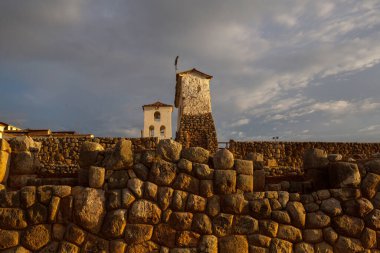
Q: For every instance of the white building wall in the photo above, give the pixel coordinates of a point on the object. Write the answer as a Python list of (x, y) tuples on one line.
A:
[(165, 120), (1, 131)]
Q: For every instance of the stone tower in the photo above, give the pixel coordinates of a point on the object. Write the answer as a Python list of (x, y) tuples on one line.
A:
[(195, 125), (157, 120)]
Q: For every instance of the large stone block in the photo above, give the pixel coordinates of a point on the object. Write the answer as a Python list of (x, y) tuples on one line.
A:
[(289, 233), (187, 239), (223, 159), (195, 154), (88, 153), (89, 208), (260, 208), (208, 244), (35, 237), (12, 218), (8, 239), (23, 163), (244, 183), (181, 220), (162, 173), (343, 174), (5, 161), (96, 177), (245, 224), (297, 213), (196, 203), (348, 226), (234, 204), (24, 143), (345, 244), (169, 150), (138, 233), (222, 224), (114, 223), (143, 211), (121, 156), (74, 234), (233, 244), (201, 224), (278, 245), (186, 183), (370, 185), (165, 235), (243, 167), (225, 181), (315, 159)]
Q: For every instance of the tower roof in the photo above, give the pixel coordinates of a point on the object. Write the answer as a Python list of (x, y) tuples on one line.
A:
[(157, 104), (178, 77)]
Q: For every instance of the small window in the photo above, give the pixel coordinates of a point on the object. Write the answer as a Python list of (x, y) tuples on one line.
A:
[(199, 88), (162, 131), (151, 131), (157, 116)]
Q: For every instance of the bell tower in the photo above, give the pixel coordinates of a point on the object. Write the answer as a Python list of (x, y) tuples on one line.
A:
[(157, 120), (195, 124)]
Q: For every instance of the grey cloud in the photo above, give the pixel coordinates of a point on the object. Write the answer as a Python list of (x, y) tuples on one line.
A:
[(90, 65)]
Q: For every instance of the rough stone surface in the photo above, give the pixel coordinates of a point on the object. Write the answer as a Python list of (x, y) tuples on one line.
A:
[(223, 159), (121, 156), (162, 173), (88, 153), (195, 154), (348, 225), (35, 237), (138, 233), (345, 244), (331, 207), (225, 181), (370, 185), (8, 239), (169, 150), (208, 244), (96, 177), (114, 223), (297, 213), (344, 174), (233, 244), (278, 245), (143, 211), (89, 208), (12, 218)]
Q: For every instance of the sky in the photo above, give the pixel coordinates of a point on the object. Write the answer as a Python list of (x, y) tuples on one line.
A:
[(300, 70)]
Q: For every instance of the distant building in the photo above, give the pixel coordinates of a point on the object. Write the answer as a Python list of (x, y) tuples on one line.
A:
[(43, 133), (6, 127), (157, 120), (195, 125)]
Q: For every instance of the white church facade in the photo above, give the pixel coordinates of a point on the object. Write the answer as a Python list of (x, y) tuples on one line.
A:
[(157, 120)]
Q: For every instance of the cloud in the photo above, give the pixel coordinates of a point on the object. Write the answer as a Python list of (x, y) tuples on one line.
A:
[(240, 122), (279, 67), (370, 128)]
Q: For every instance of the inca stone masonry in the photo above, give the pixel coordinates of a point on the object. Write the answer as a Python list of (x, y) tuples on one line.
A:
[(176, 199)]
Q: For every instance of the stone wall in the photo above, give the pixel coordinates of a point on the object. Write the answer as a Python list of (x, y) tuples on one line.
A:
[(198, 131), (291, 153), (59, 156), (181, 200)]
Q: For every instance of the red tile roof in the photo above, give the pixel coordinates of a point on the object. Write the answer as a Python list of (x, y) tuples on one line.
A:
[(157, 104)]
